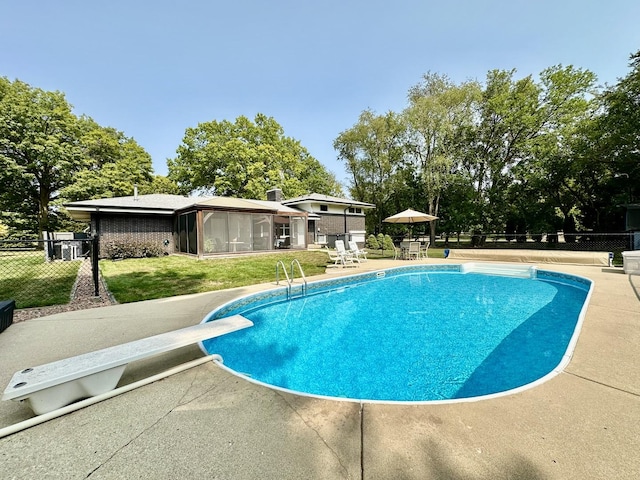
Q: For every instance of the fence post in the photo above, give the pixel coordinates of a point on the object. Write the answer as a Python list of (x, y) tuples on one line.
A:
[(94, 266)]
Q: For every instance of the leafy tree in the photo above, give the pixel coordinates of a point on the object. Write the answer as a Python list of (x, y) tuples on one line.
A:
[(508, 118), (553, 174), (159, 184), (621, 123), (373, 151), (39, 150), (614, 144), (246, 159), (438, 111), (113, 164), (524, 137)]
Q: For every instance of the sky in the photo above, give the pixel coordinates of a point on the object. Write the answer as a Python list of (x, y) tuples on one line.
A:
[(152, 69)]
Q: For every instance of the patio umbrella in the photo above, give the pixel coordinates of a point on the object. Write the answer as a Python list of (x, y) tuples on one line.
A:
[(410, 216)]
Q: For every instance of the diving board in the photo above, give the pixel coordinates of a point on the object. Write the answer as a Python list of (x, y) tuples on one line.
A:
[(54, 385)]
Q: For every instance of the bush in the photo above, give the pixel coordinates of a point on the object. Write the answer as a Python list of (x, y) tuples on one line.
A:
[(387, 243), (372, 242), (116, 250)]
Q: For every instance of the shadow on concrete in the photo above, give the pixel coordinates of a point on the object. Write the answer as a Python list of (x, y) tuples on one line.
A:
[(634, 281)]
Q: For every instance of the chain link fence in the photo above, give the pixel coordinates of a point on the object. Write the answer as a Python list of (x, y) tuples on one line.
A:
[(38, 273)]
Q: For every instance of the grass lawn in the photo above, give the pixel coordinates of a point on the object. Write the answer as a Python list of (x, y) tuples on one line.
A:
[(32, 282), (133, 280)]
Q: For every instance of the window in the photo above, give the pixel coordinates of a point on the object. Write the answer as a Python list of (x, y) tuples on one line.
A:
[(324, 208), (355, 210)]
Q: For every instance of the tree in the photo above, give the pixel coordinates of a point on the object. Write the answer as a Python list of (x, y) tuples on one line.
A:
[(39, 150), (438, 111), (618, 134), (554, 171), (373, 151), (113, 164), (246, 159), (159, 184)]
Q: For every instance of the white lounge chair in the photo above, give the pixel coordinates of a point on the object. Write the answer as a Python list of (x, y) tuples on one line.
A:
[(360, 254), (339, 259), (346, 254)]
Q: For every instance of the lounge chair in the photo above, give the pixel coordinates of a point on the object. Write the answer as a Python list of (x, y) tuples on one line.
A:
[(414, 250), (339, 259), (359, 253), (347, 254)]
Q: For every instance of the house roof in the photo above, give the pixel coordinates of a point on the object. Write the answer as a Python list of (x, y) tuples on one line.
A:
[(158, 204), (232, 203), (277, 206), (318, 198), (163, 204)]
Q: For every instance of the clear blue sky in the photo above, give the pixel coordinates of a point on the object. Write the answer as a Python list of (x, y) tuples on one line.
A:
[(154, 68)]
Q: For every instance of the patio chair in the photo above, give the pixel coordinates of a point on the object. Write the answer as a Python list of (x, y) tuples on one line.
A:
[(339, 259), (414, 250), (340, 248), (360, 255), (404, 249), (423, 250)]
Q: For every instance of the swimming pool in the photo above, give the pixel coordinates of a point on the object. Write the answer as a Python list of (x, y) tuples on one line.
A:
[(421, 333)]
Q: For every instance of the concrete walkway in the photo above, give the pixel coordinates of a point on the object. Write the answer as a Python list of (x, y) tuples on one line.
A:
[(206, 423)]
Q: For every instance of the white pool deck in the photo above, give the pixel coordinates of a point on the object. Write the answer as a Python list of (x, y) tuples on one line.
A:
[(207, 423)]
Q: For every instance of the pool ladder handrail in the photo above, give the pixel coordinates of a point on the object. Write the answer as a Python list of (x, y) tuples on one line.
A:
[(294, 262)]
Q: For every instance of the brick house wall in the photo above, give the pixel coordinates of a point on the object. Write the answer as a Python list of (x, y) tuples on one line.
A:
[(331, 224), (149, 229)]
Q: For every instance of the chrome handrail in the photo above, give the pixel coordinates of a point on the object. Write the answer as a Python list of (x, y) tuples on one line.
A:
[(295, 262)]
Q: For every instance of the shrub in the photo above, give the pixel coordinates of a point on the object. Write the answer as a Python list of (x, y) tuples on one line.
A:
[(121, 250), (387, 243), (372, 242)]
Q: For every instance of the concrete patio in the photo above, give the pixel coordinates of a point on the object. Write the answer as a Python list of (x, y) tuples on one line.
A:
[(207, 423)]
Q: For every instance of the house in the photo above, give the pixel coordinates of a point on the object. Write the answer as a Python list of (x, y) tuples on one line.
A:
[(213, 225), (331, 218)]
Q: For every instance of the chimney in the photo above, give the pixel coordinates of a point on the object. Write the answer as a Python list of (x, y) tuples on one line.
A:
[(135, 192), (274, 195)]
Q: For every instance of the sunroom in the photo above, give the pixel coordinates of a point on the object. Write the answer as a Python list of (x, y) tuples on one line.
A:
[(222, 225)]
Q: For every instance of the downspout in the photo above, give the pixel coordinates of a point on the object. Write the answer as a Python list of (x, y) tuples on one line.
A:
[(345, 220)]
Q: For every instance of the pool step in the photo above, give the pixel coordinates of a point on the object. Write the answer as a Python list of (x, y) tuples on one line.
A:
[(520, 271)]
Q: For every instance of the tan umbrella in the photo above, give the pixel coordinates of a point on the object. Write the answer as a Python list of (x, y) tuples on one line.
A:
[(410, 216)]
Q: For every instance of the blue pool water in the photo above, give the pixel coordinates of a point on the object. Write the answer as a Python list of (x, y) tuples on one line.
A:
[(417, 334)]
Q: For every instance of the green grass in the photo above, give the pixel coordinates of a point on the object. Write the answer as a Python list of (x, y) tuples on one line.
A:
[(32, 282), (133, 280)]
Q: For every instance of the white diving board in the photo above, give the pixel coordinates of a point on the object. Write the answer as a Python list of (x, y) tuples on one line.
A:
[(54, 385)]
